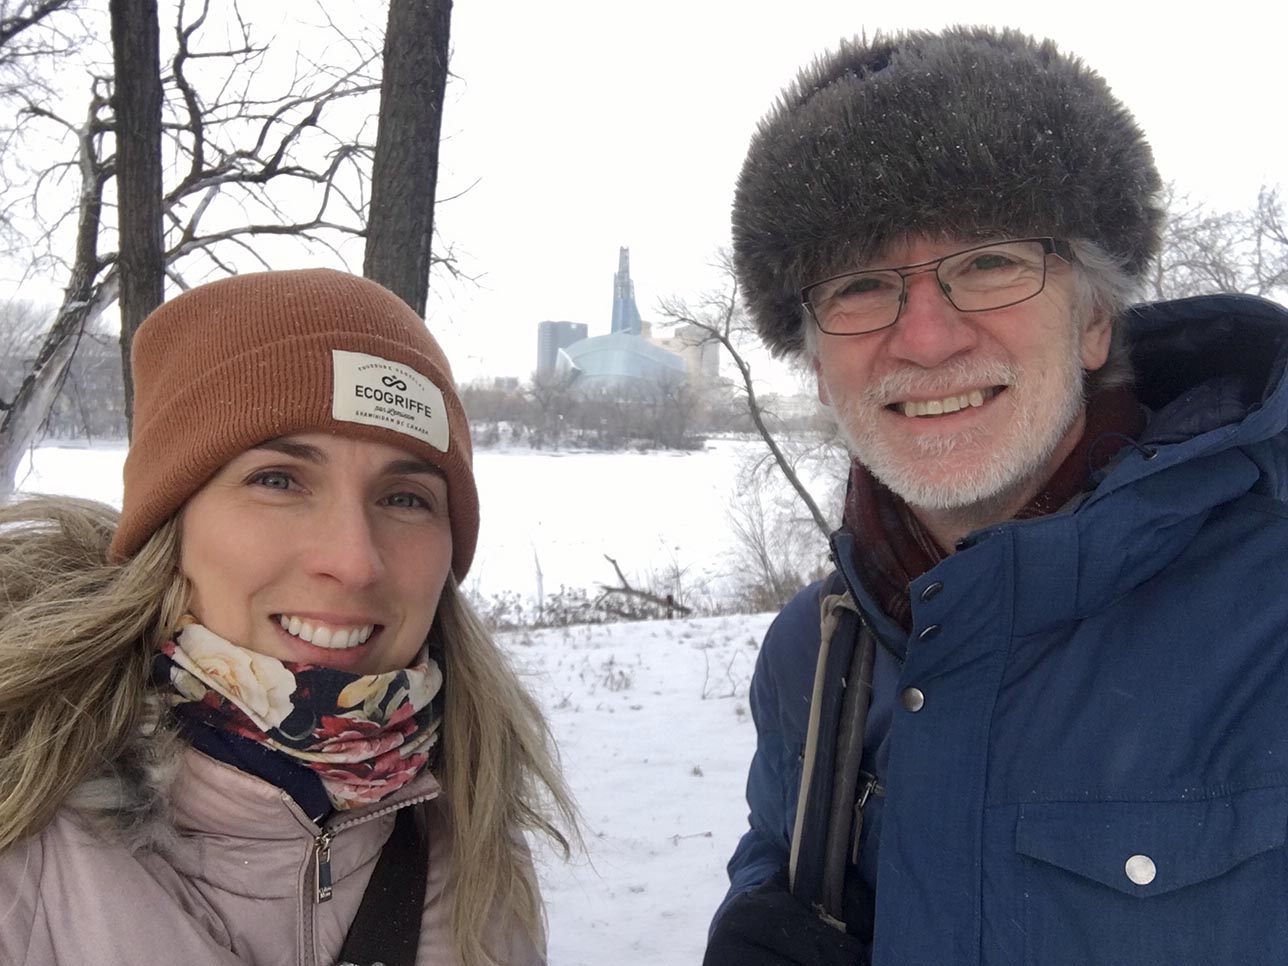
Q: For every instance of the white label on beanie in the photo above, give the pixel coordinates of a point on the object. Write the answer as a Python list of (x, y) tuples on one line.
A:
[(378, 392)]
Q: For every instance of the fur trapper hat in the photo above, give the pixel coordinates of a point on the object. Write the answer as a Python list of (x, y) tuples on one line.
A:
[(231, 364), (964, 134)]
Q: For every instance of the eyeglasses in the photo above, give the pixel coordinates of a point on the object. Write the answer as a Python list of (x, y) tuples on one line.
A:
[(975, 279)]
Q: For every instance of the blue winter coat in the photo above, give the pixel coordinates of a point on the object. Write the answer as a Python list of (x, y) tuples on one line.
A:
[(1099, 772)]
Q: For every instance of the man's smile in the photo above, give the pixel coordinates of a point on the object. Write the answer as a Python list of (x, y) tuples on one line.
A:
[(972, 399)]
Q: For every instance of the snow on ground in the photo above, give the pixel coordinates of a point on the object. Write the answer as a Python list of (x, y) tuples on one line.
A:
[(655, 733), (651, 718)]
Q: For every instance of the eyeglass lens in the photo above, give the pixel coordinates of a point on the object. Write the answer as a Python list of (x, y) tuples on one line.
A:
[(974, 280)]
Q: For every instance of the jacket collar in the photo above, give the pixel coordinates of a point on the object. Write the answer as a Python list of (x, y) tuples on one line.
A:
[(212, 797)]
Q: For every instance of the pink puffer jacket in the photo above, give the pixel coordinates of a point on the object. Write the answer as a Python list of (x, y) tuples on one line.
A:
[(235, 887)]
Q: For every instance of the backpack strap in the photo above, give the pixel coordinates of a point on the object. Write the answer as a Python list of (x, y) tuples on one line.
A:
[(386, 929), (826, 814)]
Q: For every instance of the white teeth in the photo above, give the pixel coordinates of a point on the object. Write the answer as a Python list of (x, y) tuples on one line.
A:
[(337, 638), (949, 404)]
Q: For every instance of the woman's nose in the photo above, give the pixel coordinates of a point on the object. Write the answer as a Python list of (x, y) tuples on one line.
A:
[(345, 544)]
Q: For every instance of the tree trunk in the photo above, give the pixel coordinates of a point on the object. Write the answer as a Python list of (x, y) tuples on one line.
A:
[(137, 101), (83, 300), (400, 223)]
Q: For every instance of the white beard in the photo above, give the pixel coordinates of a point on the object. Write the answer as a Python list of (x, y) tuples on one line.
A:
[(988, 466)]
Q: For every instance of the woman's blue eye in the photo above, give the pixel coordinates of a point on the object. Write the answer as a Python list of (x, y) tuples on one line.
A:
[(407, 501), (272, 479)]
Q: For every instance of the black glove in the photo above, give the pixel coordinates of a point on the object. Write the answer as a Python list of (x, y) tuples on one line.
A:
[(769, 926)]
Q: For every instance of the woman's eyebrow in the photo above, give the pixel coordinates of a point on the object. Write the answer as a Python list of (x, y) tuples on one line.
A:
[(405, 466), (287, 447), (312, 454)]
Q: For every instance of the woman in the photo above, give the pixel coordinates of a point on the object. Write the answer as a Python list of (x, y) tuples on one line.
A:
[(218, 709)]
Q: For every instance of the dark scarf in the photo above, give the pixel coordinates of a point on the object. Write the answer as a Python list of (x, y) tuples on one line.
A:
[(892, 547)]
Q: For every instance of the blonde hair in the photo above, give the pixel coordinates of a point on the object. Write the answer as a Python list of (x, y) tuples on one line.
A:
[(75, 650), (500, 778), (77, 638)]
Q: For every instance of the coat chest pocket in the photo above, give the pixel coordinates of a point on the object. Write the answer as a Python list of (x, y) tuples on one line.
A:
[(1156, 882)]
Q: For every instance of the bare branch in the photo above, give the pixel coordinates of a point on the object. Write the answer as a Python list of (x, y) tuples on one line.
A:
[(721, 318), (28, 14), (1232, 251), (667, 603)]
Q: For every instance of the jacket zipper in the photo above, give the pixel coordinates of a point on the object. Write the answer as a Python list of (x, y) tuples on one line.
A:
[(322, 866), (869, 788), (320, 859)]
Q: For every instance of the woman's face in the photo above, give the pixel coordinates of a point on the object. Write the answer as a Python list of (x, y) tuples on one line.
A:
[(320, 549)]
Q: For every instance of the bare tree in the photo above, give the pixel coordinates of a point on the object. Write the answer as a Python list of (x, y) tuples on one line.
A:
[(722, 320), (552, 402), (31, 31), (247, 159), (772, 558), (84, 300), (1207, 251), (22, 326), (404, 174)]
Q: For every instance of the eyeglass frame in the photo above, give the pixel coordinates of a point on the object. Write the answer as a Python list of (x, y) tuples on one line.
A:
[(1050, 246)]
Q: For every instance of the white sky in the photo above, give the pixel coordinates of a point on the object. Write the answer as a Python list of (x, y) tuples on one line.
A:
[(589, 125)]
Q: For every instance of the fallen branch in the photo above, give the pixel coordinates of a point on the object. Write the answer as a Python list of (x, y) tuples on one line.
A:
[(668, 602)]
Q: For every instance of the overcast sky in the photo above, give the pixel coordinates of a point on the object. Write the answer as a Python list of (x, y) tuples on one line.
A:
[(584, 125)]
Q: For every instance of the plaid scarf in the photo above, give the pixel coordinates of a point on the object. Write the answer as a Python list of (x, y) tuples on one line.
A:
[(363, 735), (892, 547)]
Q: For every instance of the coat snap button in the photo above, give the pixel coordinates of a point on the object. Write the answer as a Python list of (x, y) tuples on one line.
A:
[(928, 632), (932, 590), (912, 699), (1141, 869)]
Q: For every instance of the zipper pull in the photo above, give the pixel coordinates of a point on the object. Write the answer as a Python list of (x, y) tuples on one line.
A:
[(870, 786), (322, 848)]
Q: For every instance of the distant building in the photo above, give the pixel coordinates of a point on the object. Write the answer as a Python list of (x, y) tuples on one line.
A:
[(619, 362), (628, 360), (700, 352), (553, 336), (626, 317)]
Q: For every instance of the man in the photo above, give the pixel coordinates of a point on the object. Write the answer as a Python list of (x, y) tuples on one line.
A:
[(1040, 713)]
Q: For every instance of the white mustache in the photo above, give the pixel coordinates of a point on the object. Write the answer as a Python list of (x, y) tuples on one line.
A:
[(948, 379)]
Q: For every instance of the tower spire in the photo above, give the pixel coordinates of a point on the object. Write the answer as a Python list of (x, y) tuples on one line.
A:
[(626, 316)]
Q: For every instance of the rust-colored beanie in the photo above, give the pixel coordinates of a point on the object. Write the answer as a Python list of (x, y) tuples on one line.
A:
[(236, 362)]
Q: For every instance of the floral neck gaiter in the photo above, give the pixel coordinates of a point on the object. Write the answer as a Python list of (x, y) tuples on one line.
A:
[(363, 735)]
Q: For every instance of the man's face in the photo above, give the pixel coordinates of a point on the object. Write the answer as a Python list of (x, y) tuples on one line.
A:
[(1007, 384)]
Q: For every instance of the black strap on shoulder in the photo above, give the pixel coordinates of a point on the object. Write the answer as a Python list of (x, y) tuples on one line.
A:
[(845, 820), (830, 820), (386, 929), (807, 878)]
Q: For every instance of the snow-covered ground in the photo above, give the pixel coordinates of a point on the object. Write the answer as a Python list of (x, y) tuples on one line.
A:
[(653, 725), (651, 718)]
